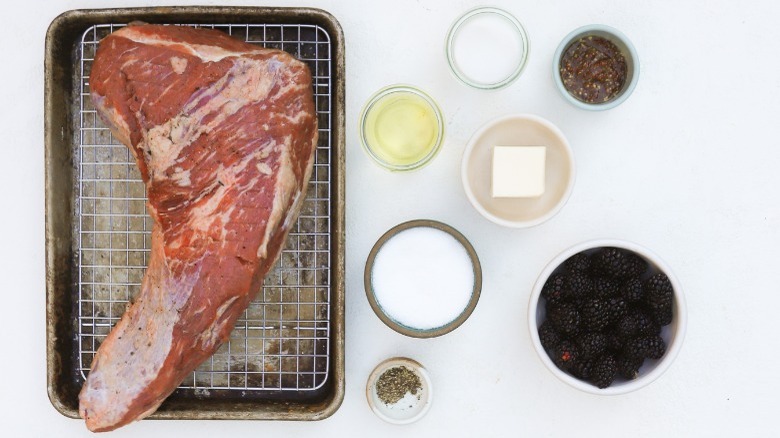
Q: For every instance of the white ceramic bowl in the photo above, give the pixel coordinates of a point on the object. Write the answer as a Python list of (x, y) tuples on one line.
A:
[(408, 409), (518, 130), (672, 334)]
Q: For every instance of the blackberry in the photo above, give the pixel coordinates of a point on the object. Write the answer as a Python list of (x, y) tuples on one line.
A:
[(595, 314), (583, 368), (619, 263), (579, 262), (564, 354), (605, 287), (579, 285), (616, 309), (603, 372), (554, 290), (659, 294), (652, 347), (548, 336), (628, 367), (627, 326), (659, 282), (663, 316), (636, 323), (591, 344), (565, 318), (645, 325), (614, 342), (632, 290)]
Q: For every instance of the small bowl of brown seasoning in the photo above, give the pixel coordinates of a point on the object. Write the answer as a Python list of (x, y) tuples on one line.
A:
[(596, 67), (399, 390)]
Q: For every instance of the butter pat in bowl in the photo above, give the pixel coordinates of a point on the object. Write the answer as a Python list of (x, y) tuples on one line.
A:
[(518, 171), (544, 184)]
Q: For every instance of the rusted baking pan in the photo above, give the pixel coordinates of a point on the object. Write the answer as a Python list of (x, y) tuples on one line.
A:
[(285, 358)]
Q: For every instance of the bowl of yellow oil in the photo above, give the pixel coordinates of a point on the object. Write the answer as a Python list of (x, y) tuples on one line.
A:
[(401, 128)]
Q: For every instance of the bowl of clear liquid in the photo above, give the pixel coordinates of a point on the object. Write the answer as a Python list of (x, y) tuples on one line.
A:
[(401, 128)]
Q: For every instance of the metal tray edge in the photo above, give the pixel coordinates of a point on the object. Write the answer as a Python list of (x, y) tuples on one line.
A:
[(56, 274)]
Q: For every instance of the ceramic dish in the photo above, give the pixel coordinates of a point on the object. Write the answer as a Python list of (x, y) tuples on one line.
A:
[(518, 130), (411, 407), (623, 44), (408, 330), (672, 334)]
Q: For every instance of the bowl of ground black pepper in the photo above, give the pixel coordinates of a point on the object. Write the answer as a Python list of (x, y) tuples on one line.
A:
[(596, 67), (399, 390)]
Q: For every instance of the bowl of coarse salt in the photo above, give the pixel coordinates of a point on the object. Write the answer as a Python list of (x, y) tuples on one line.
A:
[(423, 278), (487, 48)]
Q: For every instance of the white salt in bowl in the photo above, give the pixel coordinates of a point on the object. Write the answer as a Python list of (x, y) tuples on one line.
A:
[(518, 130), (672, 334), (423, 278), (410, 408), (487, 48)]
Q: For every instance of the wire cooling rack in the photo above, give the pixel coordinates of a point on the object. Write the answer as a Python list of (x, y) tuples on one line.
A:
[(281, 343)]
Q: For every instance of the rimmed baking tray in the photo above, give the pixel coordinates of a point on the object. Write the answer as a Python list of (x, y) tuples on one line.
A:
[(285, 358)]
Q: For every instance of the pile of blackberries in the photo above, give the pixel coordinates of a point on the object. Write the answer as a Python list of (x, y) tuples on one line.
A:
[(605, 309)]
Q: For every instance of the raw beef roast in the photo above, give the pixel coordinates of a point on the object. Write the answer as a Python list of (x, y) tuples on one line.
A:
[(224, 135)]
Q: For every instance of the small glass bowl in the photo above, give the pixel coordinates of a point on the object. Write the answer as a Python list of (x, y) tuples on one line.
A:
[(400, 413), (399, 90), (452, 37), (623, 44)]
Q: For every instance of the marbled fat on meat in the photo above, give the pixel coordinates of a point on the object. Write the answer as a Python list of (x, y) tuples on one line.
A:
[(224, 135)]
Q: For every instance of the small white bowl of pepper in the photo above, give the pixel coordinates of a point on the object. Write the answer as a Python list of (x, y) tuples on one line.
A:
[(399, 390), (596, 67)]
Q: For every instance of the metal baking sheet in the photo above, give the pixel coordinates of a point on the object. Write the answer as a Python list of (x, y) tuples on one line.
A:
[(288, 346)]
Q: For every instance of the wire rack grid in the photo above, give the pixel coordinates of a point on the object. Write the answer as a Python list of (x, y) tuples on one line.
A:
[(281, 343)]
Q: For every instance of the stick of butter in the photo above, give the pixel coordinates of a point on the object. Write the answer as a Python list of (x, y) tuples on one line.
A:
[(518, 171)]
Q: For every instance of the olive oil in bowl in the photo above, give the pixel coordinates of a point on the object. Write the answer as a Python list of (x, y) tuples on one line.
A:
[(401, 128)]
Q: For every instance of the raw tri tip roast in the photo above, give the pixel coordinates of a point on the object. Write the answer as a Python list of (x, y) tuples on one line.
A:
[(224, 135)]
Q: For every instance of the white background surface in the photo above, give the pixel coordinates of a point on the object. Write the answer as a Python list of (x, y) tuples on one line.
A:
[(687, 167)]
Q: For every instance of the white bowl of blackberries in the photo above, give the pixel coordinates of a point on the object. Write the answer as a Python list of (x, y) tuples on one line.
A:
[(607, 316)]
